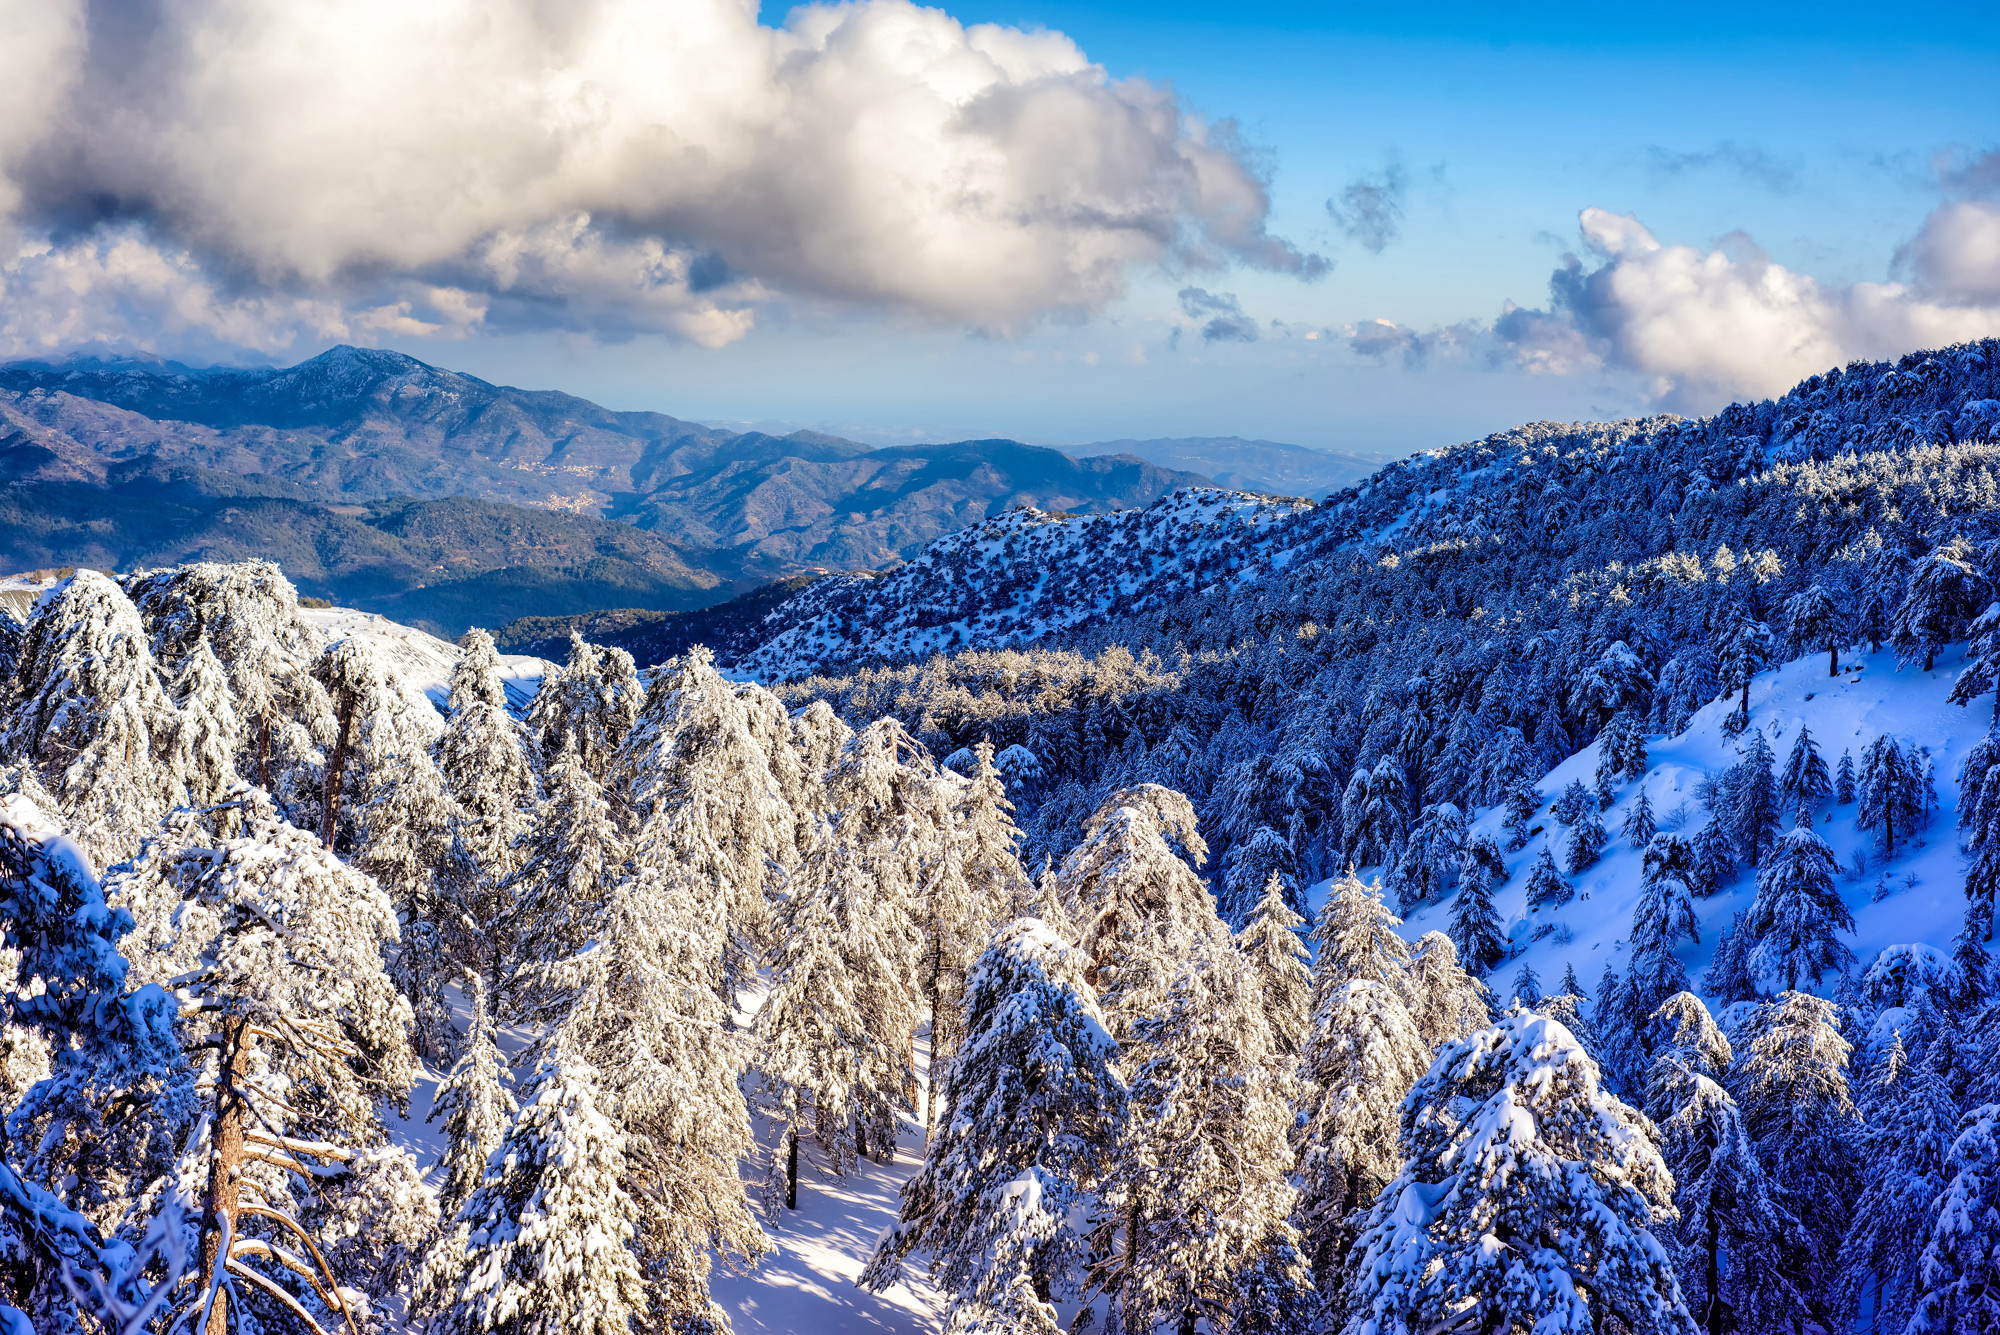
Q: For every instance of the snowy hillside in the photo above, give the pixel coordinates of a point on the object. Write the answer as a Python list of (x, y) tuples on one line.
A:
[(423, 660)]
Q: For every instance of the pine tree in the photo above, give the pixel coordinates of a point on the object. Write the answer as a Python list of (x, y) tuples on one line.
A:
[(1510, 1135), (1730, 978), (1910, 1122), (1476, 930), (587, 705), (1434, 857), (1144, 911), (406, 825), (1743, 649), (1982, 662), (1790, 1081), (1375, 813), (1797, 911), (1890, 790), (545, 1245), (1945, 590), (1270, 942), (1547, 887), (1714, 858), (1843, 779), (476, 1105), (1035, 1110), (1572, 986), (1621, 754), (484, 758), (1574, 801), (1527, 986), (1446, 1002), (1804, 784), (1363, 1055), (1521, 800), (1815, 624), (92, 717), (1979, 817), (1199, 1191), (1639, 826), (1586, 838), (998, 886), (1665, 915), (207, 733), (1751, 805), (1959, 1275), (1253, 862), (570, 857)]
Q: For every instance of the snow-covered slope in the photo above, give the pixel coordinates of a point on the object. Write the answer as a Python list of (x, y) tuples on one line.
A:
[(1915, 897), (422, 660)]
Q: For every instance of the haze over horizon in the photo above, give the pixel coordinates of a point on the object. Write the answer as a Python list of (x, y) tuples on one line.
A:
[(1346, 229)]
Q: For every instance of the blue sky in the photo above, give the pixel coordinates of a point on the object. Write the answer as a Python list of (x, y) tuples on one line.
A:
[(1775, 158)]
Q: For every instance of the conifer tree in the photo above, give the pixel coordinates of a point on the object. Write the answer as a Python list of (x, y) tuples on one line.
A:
[(1253, 862), (1521, 800), (1527, 986), (1979, 817), (1751, 805), (1790, 1081), (1035, 1109), (1621, 754), (1639, 826), (1547, 887), (1982, 662), (1510, 1135), (586, 705), (1843, 779), (1199, 1193), (1797, 911), (1573, 802), (484, 759), (91, 716), (1270, 943), (994, 878), (1729, 977), (1434, 857), (570, 857), (1586, 839), (1890, 791), (1476, 930), (1909, 1122), (1805, 783), (1743, 649), (407, 824), (1815, 625), (1375, 813), (206, 728), (1363, 1055), (476, 1104), (545, 1246), (1945, 590), (1959, 1275), (1446, 1002), (1714, 857)]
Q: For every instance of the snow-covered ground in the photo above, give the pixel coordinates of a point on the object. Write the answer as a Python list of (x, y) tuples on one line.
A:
[(424, 661), (1918, 896)]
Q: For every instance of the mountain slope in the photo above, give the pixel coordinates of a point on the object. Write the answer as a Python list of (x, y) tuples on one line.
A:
[(1249, 465)]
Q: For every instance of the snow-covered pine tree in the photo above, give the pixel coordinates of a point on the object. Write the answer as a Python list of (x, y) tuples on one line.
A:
[(1797, 911), (276, 947), (1363, 1055), (1946, 589), (1547, 887), (642, 1012), (1689, 1045), (1982, 661), (1621, 755), (1790, 1081), (476, 1104), (1890, 791), (571, 855), (1476, 929), (1586, 839), (1959, 1275), (1734, 1236), (1714, 858), (1253, 862), (208, 736), (363, 711), (545, 1246), (1355, 937), (1979, 817), (1527, 986), (89, 712), (1036, 1106), (1843, 779), (1665, 914), (1805, 783), (407, 824), (1743, 648), (1815, 625), (1433, 858), (1199, 1192), (1521, 800), (1510, 1135), (991, 846), (1570, 805), (1639, 826), (588, 705), (1909, 1122), (1446, 1002), (1144, 911), (1729, 977), (1375, 813), (1751, 805), (1270, 943), (484, 758)]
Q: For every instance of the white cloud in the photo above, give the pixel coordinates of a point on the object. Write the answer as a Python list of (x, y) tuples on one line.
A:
[(606, 165)]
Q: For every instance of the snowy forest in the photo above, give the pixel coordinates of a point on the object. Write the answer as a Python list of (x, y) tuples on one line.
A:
[(1178, 875)]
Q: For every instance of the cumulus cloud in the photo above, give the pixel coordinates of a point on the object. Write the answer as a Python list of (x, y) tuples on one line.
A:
[(258, 172), (1228, 323), (1383, 339), (1370, 208)]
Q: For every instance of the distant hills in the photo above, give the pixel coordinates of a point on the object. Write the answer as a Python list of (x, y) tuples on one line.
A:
[(1250, 465), (386, 483)]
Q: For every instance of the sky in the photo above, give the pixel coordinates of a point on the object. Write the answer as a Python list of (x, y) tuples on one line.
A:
[(1363, 228)]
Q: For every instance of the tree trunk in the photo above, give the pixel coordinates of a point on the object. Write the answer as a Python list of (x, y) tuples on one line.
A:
[(1930, 656), (1833, 660), (1712, 1319), (336, 764), (264, 750), (1743, 709), (792, 1170), (225, 1165)]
